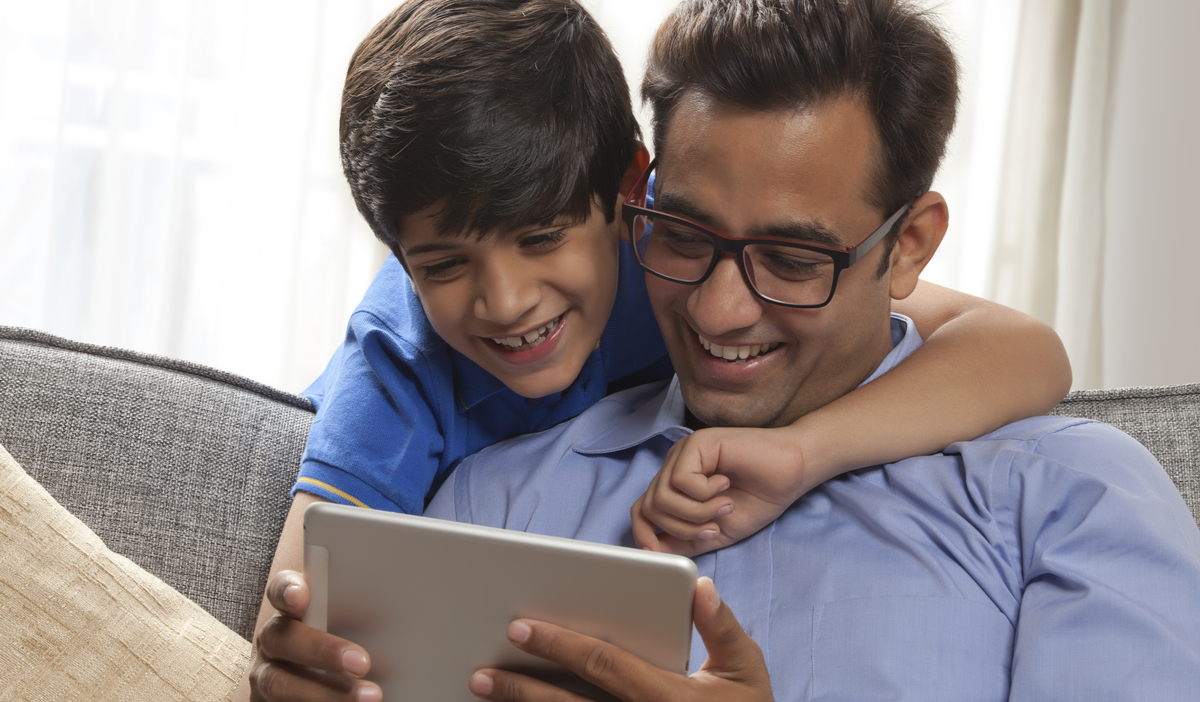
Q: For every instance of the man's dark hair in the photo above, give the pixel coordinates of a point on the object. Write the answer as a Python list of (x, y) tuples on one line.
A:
[(503, 113), (796, 54)]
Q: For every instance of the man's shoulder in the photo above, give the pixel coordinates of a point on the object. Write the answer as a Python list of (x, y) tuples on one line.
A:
[(594, 422), (1054, 435), (507, 483), (1084, 449)]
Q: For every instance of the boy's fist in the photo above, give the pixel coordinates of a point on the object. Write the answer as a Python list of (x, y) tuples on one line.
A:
[(717, 487)]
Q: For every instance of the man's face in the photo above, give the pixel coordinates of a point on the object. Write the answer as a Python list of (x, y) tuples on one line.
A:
[(528, 306), (785, 174)]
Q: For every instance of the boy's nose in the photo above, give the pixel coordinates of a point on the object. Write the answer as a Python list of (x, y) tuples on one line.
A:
[(724, 303), (506, 293)]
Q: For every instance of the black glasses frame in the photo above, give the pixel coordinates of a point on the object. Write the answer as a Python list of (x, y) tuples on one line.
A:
[(634, 206)]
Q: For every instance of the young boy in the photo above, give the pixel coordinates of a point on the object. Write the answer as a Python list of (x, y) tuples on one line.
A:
[(488, 142)]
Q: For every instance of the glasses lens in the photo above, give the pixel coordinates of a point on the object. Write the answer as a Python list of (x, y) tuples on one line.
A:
[(672, 249), (790, 275)]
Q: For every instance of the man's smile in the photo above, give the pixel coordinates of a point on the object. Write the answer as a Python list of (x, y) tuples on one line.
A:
[(737, 353)]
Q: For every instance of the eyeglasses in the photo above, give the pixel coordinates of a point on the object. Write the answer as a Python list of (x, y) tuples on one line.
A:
[(778, 271)]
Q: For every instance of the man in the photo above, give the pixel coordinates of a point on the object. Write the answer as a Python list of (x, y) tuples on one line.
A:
[(1051, 559)]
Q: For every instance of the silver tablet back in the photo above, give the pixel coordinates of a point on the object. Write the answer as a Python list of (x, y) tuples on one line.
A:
[(430, 600)]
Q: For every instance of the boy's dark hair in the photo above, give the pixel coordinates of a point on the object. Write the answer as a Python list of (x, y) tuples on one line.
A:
[(504, 113), (796, 54)]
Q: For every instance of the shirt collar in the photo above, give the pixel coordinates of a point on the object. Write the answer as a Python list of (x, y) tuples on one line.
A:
[(663, 414), (472, 383)]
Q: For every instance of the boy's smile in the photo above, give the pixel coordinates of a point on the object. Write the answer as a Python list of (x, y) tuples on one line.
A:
[(528, 306)]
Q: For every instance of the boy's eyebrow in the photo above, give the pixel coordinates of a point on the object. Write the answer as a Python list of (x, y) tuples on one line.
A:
[(429, 248), (805, 231), (558, 223)]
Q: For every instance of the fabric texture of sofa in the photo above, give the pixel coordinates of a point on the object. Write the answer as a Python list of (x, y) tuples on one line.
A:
[(185, 470)]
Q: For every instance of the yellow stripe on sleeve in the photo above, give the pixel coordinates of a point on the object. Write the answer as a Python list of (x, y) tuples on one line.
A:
[(334, 490)]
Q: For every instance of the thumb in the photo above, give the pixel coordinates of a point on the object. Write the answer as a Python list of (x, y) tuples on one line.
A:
[(731, 651)]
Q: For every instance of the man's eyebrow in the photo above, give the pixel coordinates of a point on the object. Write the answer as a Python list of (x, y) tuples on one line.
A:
[(803, 231)]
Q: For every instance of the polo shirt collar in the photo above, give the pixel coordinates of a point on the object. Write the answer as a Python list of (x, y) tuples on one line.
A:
[(662, 415), (473, 384)]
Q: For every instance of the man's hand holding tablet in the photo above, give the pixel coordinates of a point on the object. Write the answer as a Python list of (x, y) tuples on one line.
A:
[(289, 650), (734, 672)]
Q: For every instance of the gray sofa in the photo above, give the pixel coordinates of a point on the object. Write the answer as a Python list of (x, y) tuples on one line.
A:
[(186, 470)]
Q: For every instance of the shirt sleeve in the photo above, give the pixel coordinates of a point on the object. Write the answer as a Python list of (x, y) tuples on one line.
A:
[(1110, 557), (376, 440)]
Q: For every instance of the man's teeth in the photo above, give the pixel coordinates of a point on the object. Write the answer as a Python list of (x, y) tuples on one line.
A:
[(736, 353), (532, 339)]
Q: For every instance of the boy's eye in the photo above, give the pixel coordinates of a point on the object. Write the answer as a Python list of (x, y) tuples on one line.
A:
[(545, 240), (443, 269)]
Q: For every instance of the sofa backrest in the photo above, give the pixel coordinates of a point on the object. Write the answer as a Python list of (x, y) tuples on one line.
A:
[(186, 470), (1165, 420), (183, 469)]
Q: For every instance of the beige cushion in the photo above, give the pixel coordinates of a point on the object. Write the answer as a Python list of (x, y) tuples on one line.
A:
[(80, 622)]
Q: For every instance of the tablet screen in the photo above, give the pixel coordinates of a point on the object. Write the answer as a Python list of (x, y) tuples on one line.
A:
[(430, 600)]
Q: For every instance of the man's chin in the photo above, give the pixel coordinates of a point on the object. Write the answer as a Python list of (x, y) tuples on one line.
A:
[(717, 409)]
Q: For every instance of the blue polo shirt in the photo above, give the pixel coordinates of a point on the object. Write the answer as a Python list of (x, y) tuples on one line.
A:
[(397, 408)]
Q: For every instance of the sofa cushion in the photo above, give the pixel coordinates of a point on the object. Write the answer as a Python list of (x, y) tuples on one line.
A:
[(183, 469), (81, 622)]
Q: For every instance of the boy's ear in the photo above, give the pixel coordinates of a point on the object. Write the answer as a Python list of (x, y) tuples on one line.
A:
[(637, 166), (916, 243)]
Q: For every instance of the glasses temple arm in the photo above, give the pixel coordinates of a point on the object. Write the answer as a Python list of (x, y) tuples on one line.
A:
[(865, 247)]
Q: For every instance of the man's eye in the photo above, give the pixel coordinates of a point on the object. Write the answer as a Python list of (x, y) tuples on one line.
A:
[(545, 240), (443, 269)]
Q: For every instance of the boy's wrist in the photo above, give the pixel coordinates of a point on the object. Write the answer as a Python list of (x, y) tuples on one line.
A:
[(816, 463)]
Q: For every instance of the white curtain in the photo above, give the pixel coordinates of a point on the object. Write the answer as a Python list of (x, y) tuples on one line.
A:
[(169, 179), (1094, 233)]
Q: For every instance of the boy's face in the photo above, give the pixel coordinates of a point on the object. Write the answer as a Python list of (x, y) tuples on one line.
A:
[(529, 306)]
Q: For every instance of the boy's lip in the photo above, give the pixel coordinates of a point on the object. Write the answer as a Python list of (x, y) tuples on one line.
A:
[(499, 338), (543, 348)]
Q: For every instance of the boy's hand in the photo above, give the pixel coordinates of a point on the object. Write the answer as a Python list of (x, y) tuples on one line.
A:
[(718, 486), (734, 672), (287, 648)]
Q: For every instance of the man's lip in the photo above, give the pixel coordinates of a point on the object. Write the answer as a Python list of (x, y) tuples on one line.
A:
[(764, 347), (728, 374)]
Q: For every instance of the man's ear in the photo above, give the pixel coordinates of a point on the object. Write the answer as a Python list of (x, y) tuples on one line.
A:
[(924, 227), (637, 166)]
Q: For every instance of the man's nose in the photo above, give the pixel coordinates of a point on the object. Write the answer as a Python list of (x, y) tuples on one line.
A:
[(506, 292), (723, 303)]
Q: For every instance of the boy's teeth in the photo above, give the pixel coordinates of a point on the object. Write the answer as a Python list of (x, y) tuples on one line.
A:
[(736, 353), (531, 339)]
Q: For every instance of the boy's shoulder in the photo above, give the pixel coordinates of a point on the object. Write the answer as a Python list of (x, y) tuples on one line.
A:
[(391, 307)]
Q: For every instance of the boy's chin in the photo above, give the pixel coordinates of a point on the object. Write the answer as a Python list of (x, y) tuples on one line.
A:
[(538, 385)]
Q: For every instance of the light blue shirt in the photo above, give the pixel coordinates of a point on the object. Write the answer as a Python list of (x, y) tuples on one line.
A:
[(1050, 560)]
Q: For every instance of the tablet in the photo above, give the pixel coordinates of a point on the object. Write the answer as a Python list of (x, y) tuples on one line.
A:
[(431, 600)]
